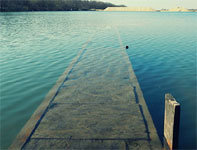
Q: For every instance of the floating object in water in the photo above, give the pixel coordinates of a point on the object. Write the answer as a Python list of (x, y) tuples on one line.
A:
[(127, 47)]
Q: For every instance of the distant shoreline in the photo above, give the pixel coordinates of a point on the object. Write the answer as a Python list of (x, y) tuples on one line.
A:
[(107, 9), (78, 5), (53, 5), (100, 10), (148, 9), (92, 11)]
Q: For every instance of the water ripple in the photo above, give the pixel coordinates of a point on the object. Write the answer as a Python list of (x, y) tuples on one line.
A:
[(36, 48)]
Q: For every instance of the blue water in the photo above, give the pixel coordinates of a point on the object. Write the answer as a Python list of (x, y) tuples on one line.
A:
[(36, 48)]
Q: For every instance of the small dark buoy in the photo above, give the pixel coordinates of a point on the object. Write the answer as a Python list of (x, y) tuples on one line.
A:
[(127, 47)]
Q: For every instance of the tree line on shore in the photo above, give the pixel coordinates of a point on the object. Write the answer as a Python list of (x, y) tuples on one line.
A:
[(53, 5)]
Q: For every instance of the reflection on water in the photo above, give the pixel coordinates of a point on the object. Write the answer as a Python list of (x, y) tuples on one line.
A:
[(37, 47)]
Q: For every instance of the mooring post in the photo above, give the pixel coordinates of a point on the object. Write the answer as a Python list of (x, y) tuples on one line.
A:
[(171, 122)]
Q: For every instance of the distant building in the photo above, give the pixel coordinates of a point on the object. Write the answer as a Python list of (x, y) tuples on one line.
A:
[(163, 10), (179, 9), (192, 10)]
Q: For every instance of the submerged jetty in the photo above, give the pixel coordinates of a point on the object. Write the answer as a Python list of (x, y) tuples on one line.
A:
[(97, 103)]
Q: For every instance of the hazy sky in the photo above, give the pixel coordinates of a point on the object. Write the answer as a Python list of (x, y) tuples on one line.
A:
[(157, 4)]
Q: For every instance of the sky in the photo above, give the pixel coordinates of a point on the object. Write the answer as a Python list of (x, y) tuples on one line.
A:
[(156, 4)]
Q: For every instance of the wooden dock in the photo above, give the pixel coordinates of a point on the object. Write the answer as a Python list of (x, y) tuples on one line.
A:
[(97, 104)]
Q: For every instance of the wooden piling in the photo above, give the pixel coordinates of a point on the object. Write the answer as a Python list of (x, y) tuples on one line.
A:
[(171, 122)]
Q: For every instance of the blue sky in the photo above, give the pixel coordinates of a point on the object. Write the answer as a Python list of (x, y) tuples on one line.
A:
[(157, 4)]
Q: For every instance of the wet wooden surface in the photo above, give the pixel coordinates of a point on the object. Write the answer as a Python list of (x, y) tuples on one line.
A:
[(98, 105)]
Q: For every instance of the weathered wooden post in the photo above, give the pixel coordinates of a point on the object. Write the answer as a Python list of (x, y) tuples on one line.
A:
[(171, 122)]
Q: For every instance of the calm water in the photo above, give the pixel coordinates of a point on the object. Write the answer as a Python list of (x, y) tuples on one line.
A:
[(36, 47)]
